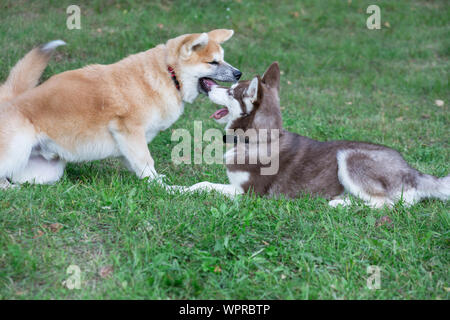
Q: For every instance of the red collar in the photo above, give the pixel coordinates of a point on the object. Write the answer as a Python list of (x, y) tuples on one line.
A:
[(174, 77)]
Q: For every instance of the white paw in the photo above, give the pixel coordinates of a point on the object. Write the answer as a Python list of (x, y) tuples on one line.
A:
[(157, 178), (341, 202)]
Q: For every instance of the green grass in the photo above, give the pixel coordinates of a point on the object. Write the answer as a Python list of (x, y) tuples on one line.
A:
[(164, 246)]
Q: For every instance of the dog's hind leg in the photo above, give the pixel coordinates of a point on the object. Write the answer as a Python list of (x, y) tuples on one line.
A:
[(363, 176), (17, 137), (40, 171), (383, 177)]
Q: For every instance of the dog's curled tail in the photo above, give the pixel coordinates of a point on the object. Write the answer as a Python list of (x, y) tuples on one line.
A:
[(26, 73), (435, 187)]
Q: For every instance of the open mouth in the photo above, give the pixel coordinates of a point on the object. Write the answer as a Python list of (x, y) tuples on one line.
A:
[(206, 84), (219, 114)]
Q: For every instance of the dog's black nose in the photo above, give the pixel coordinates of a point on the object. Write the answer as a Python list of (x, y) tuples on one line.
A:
[(237, 74)]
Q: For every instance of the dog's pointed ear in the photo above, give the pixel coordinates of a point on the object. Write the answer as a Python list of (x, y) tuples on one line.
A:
[(272, 76), (193, 42), (220, 35), (254, 90)]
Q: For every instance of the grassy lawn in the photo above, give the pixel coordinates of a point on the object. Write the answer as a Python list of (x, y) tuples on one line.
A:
[(340, 81)]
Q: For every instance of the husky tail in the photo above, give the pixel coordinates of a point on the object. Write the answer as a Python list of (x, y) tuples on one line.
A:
[(433, 187), (26, 73)]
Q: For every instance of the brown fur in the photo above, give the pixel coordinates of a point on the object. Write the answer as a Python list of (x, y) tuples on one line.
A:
[(377, 174)]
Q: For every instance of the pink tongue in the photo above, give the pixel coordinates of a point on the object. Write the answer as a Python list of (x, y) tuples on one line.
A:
[(209, 82), (219, 113)]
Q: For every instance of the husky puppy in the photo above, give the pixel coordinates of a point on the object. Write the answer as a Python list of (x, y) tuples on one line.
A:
[(375, 173), (103, 111)]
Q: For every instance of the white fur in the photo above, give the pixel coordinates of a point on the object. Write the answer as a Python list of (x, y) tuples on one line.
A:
[(340, 202), (354, 189), (18, 152), (224, 97), (220, 96), (443, 191), (230, 155), (218, 56), (238, 179), (428, 187), (252, 90), (189, 77), (136, 153), (52, 45), (4, 184), (344, 176), (226, 189), (103, 146), (41, 171), (248, 104), (409, 197), (156, 121)]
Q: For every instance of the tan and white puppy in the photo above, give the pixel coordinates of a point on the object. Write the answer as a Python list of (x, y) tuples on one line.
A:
[(103, 111)]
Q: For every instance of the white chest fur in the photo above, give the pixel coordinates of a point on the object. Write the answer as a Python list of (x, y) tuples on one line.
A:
[(163, 119), (238, 178)]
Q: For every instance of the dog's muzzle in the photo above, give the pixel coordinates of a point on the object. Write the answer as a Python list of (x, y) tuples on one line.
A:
[(224, 72)]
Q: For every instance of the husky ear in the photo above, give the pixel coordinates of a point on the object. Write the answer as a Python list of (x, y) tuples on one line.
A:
[(194, 42), (272, 76), (220, 35), (254, 89)]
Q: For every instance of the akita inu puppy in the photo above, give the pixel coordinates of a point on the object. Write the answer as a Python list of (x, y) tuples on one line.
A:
[(375, 173), (103, 111)]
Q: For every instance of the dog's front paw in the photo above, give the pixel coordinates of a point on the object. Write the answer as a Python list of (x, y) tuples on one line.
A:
[(160, 178), (155, 177)]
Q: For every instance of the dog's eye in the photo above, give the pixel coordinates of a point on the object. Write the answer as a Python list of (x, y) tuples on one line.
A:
[(213, 63)]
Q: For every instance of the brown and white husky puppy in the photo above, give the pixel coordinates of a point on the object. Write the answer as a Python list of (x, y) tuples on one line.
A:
[(103, 111), (375, 173)]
